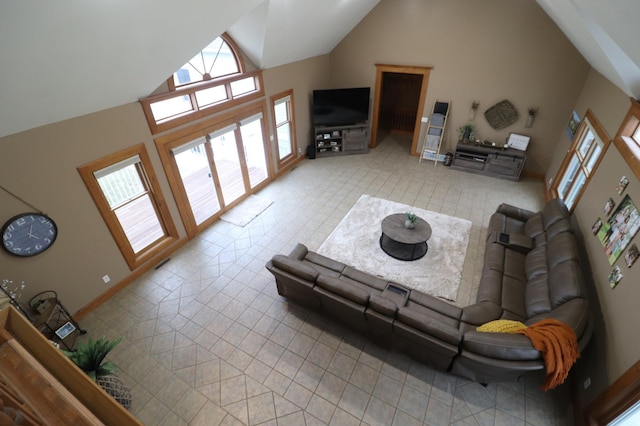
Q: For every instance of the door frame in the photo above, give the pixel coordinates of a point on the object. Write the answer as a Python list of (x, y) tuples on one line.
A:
[(165, 143), (616, 399), (400, 69)]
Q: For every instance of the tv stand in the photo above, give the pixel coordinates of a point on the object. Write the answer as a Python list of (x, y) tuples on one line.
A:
[(501, 163), (332, 141)]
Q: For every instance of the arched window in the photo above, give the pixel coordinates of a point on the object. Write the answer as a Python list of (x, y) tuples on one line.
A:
[(218, 59), (213, 80)]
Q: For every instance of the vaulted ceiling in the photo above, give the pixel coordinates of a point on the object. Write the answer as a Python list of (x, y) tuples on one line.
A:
[(68, 58)]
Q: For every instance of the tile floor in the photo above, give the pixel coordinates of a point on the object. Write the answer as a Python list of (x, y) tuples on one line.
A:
[(209, 341)]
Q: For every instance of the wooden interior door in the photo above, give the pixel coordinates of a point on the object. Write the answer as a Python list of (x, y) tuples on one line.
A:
[(380, 115)]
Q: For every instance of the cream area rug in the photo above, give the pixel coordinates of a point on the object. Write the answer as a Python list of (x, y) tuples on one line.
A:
[(246, 211), (355, 242)]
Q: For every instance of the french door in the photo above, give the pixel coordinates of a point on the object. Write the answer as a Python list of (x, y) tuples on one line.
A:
[(216, 167)]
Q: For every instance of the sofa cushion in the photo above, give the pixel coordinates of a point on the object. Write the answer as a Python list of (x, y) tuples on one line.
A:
[(295, 267), (554, 211), (534, 228), (506, 346), (364, 278), (430, 325), (565, 282), (324, 264), (343, 288), (481, 312), (383, 305)]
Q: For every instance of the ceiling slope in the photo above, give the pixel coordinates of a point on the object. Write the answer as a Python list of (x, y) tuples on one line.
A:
[(74, 57), (67, 58), (606, 34), (285, 31)]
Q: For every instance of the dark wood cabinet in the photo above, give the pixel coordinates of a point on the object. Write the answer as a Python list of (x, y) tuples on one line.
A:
[(497, 162)]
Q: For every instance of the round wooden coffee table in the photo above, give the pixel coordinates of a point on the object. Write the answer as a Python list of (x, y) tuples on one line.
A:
[(402, 243)]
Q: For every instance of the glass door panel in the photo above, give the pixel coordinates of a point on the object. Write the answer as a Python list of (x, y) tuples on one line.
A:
[(254, 153), (227, 164), (195, 172), (568, 177), (570, 200)]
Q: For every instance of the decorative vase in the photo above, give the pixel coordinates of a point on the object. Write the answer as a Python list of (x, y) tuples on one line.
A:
[(409, 225)]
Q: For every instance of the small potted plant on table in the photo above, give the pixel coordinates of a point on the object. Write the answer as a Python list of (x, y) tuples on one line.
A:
[(410, 220)]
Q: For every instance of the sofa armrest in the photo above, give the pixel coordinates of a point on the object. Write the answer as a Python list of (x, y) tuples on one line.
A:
[(295, 267), (430, 326), (299, 252), (514, 212), (505, 346), (513, 241), (480, 313)]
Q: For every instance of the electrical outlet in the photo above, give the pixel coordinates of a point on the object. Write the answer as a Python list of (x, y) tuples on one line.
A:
[(299, 151), (587, 382), (550, 181), (424, 119), (106, 279)]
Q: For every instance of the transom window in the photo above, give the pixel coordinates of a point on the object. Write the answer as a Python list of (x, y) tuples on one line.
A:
[(216, 60), (581, 161)]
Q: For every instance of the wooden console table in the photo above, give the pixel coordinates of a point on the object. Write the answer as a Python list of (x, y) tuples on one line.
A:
[(44, 385), (497, 162)]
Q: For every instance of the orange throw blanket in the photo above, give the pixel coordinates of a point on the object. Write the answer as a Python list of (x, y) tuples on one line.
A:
[(559, 346)]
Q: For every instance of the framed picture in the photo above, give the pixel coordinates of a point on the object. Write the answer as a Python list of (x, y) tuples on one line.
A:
[(603, 233), (596, 226), (608, 206), (615, 276), (623, 225), (65, 330), (622, 185), (632, 255), (572, 125)]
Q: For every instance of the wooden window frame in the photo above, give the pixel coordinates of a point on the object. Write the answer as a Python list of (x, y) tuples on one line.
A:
[(292, 127), (628, 147), (616, 399), (198, 112), (602, 134), (164, 145), (234, 49), (133, 259)]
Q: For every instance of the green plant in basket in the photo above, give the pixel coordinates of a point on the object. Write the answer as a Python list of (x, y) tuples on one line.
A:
[(90, 358)]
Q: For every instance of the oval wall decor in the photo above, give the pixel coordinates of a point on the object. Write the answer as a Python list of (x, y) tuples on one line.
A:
[(501, 115)]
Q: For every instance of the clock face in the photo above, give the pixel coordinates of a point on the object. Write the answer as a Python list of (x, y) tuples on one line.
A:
[(28, 234)]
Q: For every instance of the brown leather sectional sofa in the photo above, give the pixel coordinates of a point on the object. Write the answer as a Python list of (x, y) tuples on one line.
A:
[(531, 272)]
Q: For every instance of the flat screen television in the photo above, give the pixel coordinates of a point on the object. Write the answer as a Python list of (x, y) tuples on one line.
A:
[(340, 107)]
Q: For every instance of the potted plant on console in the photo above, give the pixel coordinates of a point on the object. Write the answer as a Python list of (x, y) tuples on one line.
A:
[(467, 132)]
